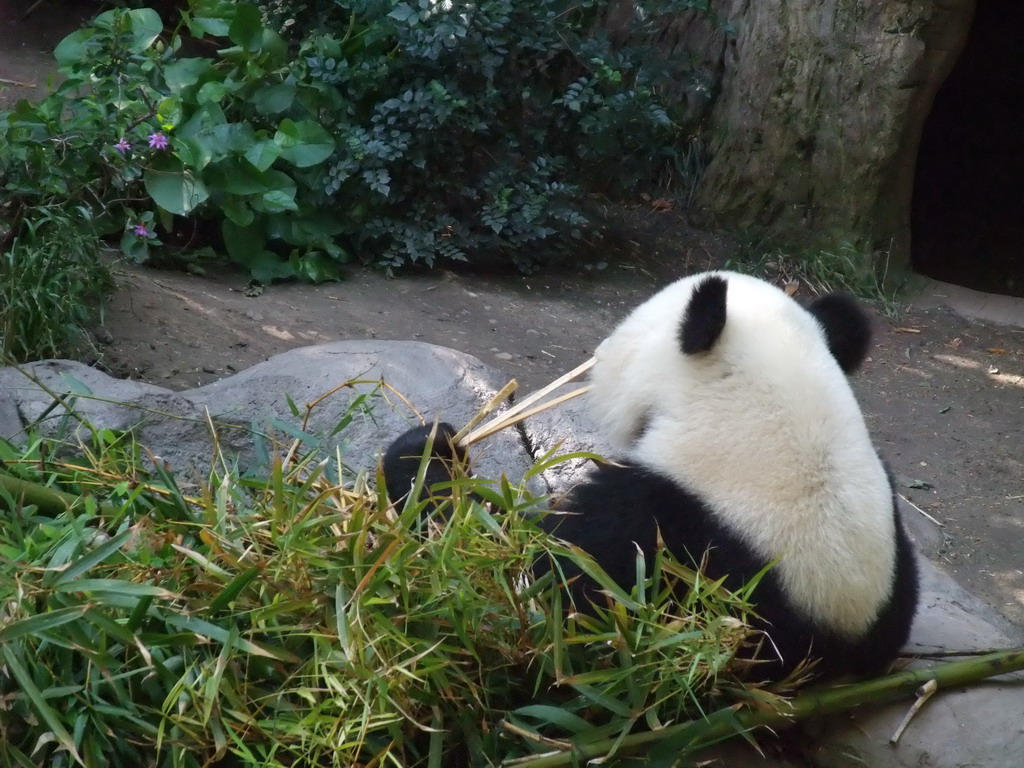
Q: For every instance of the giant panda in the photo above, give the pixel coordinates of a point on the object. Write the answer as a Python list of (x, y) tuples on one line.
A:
[(739, 441)]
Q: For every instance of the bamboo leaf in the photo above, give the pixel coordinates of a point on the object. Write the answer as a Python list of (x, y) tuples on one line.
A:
[(232, 590), (92, 559), (292, 431), (38, 701), (221, 635), (116, 585), (41, 622), (556, 716)]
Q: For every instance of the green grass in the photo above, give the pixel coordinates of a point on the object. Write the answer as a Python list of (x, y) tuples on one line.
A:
[(51, 282), (285, 619), (818, 271)]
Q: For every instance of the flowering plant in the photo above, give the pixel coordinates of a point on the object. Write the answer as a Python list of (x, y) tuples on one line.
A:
[(393, 132)]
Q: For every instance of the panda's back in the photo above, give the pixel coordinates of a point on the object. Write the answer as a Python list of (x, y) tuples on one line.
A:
[(731, 403)]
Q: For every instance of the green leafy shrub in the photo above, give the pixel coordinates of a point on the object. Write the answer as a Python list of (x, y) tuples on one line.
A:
[(392, 132), (280, 619)]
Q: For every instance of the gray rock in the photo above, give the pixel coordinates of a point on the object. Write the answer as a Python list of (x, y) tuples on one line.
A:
[(441, 383), (66, 399), (253, 405), (981, 727)]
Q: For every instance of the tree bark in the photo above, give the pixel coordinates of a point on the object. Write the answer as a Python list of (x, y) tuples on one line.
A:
[(815, 113)]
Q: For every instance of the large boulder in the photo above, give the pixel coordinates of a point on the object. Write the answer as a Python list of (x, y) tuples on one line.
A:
[(374, 386), (982, 726)]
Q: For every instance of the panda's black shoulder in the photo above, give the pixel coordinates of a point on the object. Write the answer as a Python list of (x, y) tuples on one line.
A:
[(623, 507)]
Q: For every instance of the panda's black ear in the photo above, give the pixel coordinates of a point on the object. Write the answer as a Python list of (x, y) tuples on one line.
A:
[(704, 318), (847, 329)]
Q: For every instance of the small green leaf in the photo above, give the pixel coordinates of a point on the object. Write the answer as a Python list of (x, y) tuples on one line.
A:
[(202, 122), (246, 28), (169, 112), (193, 153), (146, 28), (403, 12), (238, 211), (303, 143), (230, 137), (222, 635), (234, 589), (267, 267), (144, 24), (211, 92), (274, 99), (278, 200), (174, 188), (115, 585), (92, 559), (292, 431), (316, 267), (183, 73), (279, 196), (237, 177), (211, 17), (547, 714), (263, 154), (73, 47), (75, 385)]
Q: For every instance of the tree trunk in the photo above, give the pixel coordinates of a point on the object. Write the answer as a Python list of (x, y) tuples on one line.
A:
[(816, 112)]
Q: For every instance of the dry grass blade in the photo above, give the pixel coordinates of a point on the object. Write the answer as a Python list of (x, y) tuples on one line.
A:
[(519, 412), (503, 394)]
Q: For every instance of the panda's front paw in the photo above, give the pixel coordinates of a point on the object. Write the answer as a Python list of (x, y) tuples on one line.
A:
[(402, 459)]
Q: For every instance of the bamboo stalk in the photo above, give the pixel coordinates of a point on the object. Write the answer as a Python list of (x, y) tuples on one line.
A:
[(516, 413), (728, 722), (503, 394), (48, 500), (498, 425)]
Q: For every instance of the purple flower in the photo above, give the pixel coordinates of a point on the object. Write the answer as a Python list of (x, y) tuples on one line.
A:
[(122, 146), (157, 141), (140, 230)]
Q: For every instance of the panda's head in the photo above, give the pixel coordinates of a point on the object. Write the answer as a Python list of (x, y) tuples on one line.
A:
[(721, 359)]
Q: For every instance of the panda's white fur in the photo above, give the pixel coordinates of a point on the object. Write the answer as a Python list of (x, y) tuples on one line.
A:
[(765, 429)]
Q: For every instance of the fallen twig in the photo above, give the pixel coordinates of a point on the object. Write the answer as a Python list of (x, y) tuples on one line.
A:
[(914, 506)]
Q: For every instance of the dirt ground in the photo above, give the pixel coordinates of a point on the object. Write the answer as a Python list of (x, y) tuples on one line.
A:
[(944, 396)]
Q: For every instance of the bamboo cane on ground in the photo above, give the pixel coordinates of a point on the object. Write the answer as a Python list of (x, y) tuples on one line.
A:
[(730, 721)]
